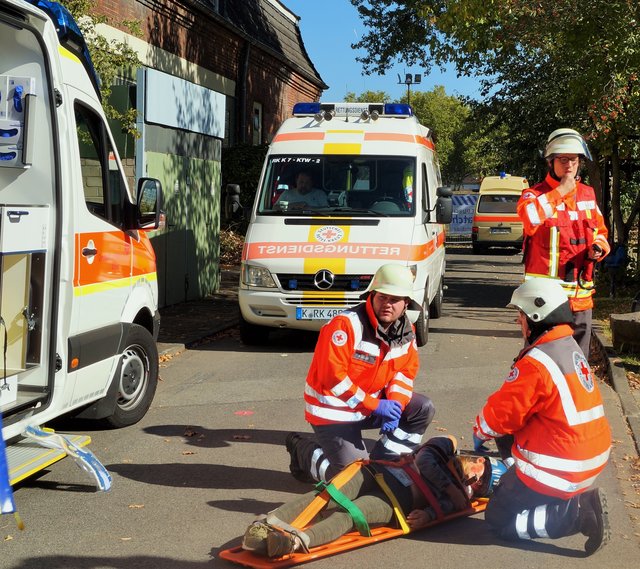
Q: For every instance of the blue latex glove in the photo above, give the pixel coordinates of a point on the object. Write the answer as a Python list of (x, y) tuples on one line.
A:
[(388, 410), (478, 445), (389, 426)]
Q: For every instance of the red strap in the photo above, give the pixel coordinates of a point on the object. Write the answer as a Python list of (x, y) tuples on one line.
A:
[(426, 491)]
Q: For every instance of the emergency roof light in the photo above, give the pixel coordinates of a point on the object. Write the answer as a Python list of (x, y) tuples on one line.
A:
[(69, 35), (363, 110)]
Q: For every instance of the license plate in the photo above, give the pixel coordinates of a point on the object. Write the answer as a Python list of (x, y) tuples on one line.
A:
[(311, 313), (500, 230)]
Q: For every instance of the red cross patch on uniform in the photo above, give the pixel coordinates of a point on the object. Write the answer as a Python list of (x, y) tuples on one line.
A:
[(583, 371), (513, 375), (339, 338)]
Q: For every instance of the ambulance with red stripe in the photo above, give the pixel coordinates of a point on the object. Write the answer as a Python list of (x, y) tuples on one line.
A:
[(376, 198), (78, 286), (495, 221)]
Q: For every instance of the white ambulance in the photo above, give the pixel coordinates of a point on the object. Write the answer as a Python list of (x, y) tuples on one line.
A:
[(345, 188), (78, 286)]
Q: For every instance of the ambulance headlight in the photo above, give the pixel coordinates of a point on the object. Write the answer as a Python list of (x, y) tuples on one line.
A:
[(253, 275)]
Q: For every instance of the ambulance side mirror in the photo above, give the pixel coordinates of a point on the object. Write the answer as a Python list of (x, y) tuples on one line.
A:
[(444, 206), (149, 212), (233, 210)]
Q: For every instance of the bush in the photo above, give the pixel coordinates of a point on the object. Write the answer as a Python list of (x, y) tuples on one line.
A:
[(231, 244)]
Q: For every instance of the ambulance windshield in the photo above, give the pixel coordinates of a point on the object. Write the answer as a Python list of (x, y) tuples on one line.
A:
[(339, 186)]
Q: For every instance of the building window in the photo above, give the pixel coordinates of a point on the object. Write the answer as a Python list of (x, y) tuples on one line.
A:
[(257, 123)]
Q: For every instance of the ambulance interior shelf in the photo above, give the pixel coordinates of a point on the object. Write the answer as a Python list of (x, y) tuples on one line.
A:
[(17, 112), (23, 233)]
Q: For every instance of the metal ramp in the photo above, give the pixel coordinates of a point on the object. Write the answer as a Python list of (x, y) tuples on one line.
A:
[(26, 457)]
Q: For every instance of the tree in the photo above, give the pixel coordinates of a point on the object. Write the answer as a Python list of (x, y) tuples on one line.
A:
[(549, 63), (367, 97), (111, 58)]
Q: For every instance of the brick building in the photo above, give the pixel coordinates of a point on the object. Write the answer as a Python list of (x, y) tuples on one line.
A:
[(214, 73)]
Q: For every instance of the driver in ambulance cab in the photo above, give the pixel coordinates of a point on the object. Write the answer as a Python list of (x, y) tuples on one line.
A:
[(304, 194)]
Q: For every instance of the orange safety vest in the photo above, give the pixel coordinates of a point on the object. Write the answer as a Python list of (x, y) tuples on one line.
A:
[(353, 366), (559, 234), (552, 406)]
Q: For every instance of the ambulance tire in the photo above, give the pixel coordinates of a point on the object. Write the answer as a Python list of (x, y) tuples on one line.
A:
[(253, 334), (137, 378), (422, 323), (435, 308)]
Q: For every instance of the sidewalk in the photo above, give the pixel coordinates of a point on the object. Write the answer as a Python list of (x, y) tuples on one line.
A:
[(183, 324)]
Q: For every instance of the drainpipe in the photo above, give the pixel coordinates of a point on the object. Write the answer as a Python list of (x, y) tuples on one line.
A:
[(243, 76)]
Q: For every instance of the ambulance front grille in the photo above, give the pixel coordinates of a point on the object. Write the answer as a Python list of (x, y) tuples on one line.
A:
[(316, 301), (341, 283)]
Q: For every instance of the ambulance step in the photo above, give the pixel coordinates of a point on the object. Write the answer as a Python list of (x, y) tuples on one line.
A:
[(26, 457)]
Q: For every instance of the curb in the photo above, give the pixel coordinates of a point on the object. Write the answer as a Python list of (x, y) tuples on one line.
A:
[(165, 349), (618, 378)]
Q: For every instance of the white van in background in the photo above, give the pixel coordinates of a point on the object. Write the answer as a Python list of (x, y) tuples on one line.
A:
[(376, 199)]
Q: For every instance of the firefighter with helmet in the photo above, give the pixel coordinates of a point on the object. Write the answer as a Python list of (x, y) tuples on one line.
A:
[(565, 233), (550, 408), (361, 377)]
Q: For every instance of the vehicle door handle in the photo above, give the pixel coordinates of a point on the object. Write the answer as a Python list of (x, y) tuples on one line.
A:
[(88, 252)]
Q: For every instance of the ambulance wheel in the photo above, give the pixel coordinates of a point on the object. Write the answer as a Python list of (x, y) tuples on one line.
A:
[(422, 323), (435, 308), (137, 378), (253, 334)]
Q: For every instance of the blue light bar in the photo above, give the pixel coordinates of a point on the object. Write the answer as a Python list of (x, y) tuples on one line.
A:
[(69, 35), (398, 109), (306, 108)]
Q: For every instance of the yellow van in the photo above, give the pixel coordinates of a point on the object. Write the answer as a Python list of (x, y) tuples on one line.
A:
[(495, 221)]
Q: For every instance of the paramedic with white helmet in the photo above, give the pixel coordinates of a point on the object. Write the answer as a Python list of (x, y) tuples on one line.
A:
[(565, 233)]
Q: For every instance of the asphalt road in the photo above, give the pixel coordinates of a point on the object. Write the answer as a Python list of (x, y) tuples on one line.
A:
[(209, 455)]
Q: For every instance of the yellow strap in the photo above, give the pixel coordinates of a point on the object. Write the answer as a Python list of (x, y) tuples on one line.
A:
[(394, 502)]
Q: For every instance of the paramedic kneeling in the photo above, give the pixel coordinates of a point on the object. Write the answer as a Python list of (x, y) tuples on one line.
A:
[(551, 405), (361, 377)]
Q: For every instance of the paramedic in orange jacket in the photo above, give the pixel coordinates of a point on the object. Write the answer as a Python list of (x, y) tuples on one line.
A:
[(565, 234), (361, 377), (551, 406)]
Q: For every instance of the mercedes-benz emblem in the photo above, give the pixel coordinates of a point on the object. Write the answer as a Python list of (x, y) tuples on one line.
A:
[(323, 279)]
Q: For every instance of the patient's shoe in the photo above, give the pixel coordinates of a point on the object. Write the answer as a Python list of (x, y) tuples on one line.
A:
[(255, 538), (281, 542)]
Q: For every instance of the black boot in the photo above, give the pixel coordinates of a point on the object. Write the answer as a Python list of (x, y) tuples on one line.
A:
[(293, 442), (593, 520)]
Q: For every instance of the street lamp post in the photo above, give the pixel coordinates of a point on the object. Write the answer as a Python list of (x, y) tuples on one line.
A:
[(409, 80)]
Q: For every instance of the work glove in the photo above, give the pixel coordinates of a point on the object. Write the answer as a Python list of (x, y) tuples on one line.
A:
[(388, 410), (478, 445), (389, 426)]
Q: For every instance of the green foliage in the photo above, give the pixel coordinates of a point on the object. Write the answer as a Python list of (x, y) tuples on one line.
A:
[(111, 58), (546, 64), (242, 165), (367, 97)]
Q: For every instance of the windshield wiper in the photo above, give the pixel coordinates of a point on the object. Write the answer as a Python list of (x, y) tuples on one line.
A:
[(360, 211)]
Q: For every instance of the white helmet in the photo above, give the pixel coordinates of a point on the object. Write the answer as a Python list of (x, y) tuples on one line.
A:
[(566, 141), (542, 300), (395, 280)]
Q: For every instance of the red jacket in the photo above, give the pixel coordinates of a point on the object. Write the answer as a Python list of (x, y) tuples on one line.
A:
[(354, 365), (552, 406), (559, 233)]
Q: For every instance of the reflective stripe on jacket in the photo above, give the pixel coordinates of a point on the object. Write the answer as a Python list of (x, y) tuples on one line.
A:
[(354, 365), (559, 233), (551, 404)]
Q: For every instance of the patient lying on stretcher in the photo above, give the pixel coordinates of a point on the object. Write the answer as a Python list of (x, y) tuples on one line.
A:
[(431, 483)]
